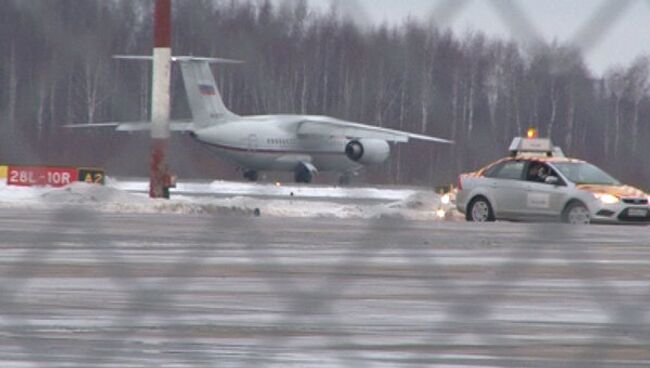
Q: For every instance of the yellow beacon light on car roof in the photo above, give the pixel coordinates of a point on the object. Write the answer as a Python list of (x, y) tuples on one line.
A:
[(531, 145)]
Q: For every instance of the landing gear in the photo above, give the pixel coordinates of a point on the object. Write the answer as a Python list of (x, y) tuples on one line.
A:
[(346, 178), (251, 175), (303, 174)]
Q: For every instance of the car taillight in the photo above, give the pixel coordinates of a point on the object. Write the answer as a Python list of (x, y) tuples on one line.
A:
[(460, 183)]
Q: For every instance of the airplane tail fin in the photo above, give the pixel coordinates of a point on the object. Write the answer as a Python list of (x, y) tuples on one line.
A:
[(202, 93)]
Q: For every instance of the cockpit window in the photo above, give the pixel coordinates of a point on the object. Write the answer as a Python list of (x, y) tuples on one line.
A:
[(585, 173)]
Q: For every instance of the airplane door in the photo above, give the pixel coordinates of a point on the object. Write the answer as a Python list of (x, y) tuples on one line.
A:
[(251, 145)]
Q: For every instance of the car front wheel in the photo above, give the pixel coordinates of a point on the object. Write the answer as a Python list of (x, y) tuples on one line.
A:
[(576, 213), (479, 210)]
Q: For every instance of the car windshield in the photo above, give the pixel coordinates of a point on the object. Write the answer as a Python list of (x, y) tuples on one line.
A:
[(585, 173)]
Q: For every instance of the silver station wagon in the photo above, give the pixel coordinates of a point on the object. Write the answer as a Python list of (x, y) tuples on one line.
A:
[(538, 183)]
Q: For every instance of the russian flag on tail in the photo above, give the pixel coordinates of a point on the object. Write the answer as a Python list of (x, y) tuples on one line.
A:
[(207, 90)]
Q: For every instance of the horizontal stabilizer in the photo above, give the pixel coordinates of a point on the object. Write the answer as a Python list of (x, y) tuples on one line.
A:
[(211, 60), (181, 59), (136, 126)]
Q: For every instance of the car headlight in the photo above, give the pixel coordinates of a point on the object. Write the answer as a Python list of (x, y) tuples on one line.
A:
[(607, 198)]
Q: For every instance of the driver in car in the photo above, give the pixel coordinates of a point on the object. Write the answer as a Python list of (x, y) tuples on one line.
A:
[(538, 173)]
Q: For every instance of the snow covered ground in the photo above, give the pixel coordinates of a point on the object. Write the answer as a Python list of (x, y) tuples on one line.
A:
[(230, 188), (235, 198)]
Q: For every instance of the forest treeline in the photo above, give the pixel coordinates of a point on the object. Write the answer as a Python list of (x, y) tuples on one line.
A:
[(56, 68)]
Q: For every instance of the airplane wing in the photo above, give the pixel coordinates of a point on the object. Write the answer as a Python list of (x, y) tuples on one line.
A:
[(136, 126), (334, 127)]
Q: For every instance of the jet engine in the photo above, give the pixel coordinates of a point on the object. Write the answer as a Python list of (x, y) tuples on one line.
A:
[(367, 151)]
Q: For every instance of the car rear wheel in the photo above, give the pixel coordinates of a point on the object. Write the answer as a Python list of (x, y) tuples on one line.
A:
[(479, 210), (576, 213)]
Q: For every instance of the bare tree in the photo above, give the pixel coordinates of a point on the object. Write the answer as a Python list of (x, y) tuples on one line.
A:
[(637, 87), (616, 85)]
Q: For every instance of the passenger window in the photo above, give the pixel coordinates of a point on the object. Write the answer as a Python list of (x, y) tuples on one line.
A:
[(510, 170), (493, 170)]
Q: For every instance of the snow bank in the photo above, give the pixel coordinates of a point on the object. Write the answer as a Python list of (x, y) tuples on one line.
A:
[(273, 190), (412, 204)]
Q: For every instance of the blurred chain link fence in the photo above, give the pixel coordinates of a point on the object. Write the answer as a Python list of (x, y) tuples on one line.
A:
[(234, 291)]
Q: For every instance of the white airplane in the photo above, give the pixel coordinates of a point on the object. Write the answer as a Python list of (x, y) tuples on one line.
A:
[(302, 144)]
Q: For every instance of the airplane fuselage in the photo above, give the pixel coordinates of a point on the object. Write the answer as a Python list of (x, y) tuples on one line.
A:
[(269, 143)]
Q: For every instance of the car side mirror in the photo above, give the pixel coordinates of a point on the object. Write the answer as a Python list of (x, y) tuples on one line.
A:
[(553, 180)]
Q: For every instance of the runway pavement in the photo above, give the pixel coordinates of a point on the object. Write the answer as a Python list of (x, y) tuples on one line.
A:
[(86, 289)]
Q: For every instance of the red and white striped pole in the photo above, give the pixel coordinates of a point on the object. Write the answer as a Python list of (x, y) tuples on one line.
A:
[(160, 98)]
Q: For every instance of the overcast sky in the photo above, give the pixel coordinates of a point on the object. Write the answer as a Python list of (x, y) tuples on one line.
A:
[(627, 38)]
